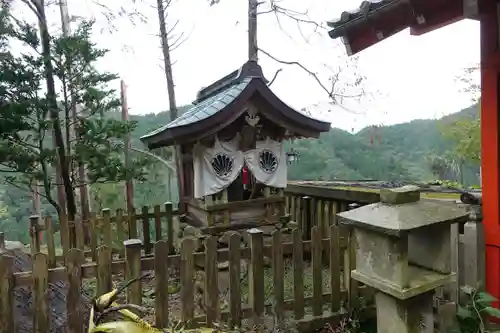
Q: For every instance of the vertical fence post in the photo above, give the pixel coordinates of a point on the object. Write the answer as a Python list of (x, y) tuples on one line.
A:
[(132, 223), (133, 270), (298, 274), (453, 288), (187, 280), (335, 267), (306, 217), (79, 232), (256, 274), (106, 227), (234, 280), (278, 274), (317, 270), (157, 214), (211, 281), (2, 241), (170, 227), (161, 286), (146, 230), (35, 233), (474, 249), (94, 235), (350, 262), (75, 258), (41, 318), (297, 214), (64, 233), (6, 294), (51, 246), (120, 232), (104, 260)]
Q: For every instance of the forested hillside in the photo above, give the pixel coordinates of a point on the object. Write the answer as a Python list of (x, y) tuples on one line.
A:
[(397, 152)]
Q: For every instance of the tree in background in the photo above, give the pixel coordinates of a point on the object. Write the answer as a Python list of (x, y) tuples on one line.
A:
[(443, 167), (465, 133), (35, 90), (169, 42)]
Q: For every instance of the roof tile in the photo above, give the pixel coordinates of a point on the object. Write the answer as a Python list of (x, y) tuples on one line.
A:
[(205, 108), (362, 10)]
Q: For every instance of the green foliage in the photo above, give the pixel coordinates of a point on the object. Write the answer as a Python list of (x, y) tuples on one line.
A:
[(448, 183), (444, 166), (26, 149), (399, 152), (471, 317), (465, 135)]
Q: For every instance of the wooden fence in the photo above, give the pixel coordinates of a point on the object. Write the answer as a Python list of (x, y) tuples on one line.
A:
[(110, 230), (316, 237), (326, 301)]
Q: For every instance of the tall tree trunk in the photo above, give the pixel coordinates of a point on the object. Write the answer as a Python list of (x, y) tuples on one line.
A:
[(129, 184), (253, 49), (72, 130), (61, 197), (171, 96), (167, 62), (54, 113), (36, 198)]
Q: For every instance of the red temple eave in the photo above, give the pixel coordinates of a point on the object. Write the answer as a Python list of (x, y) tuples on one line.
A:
[(374, 27)]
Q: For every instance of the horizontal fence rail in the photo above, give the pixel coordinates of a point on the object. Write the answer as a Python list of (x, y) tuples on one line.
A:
[(106, 229)]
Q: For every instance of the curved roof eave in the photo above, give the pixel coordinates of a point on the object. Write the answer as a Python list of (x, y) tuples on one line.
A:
[(233, 109), (302, 124), (290, 113)]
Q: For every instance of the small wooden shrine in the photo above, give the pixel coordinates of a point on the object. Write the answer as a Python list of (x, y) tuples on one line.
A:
[(234, 165)]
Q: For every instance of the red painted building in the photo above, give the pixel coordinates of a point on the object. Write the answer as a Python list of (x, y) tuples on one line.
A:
[(380, 19)]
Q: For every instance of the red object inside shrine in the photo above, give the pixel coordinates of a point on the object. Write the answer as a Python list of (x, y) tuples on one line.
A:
[(244, 176)]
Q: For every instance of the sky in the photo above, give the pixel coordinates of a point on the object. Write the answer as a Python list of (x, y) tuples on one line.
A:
[(406, 77)]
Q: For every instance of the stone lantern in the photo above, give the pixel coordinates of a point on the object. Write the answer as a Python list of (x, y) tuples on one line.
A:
[(403, 250)]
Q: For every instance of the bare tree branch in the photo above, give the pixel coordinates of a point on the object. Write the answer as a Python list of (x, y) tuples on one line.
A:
[(176, 43), (299, 18), (133, 15), (312, 74), (469, 79), (274, 77), (333, 94)]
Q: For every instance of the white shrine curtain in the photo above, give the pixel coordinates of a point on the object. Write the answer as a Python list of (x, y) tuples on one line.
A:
[(267, 162), (216, 168)]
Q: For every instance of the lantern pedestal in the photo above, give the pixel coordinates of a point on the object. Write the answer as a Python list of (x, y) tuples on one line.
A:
[(403, 251)]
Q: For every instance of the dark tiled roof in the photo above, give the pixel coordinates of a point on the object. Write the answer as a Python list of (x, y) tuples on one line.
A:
[(206, 107), (217, 86), (364, 9), (215, 97), (223, 99), (249, 69)]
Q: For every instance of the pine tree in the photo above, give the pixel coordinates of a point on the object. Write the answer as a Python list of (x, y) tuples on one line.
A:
[(35, 86)]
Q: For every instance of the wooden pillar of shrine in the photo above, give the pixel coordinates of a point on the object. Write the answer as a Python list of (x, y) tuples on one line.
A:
[(490, 137)]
